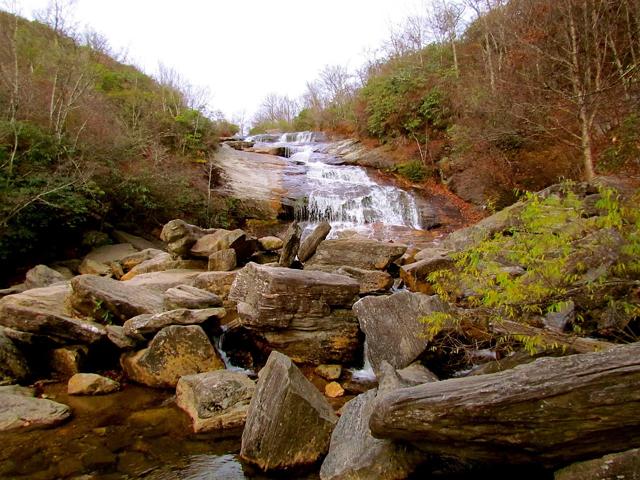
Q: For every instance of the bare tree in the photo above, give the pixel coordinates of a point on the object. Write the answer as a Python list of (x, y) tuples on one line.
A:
[(445, 20), (58, 15)]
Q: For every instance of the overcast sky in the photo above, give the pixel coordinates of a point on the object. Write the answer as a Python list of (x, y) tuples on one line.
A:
[(241, 50)]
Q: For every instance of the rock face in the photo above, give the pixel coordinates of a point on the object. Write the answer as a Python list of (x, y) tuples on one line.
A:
[(310, 244), (359, 253), (100, 297), (617, 466), (289, 422), (305, 315), (175, 351), (13, 364), (291, 243), (355, 454), (42, 311), (551, 412), (91, 384), (42, 276), (186, 296), (392, 328), (180, 236), (26, 413), (215, 400), (147, 324)]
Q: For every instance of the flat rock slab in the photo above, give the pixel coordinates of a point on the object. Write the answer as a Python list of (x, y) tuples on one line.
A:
[(392, 328), (175, 351), (21, 412), (100, 297), (371, 281), (43, 311), (187, 296), (359, 253), (552, 411), (215, 400), (137, 258), (147, 324), (163, 262), (616, 466), (162, 281), (355, 454), (289, 423)]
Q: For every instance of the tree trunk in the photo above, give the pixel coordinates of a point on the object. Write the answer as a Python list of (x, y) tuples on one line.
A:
[(551, 411)]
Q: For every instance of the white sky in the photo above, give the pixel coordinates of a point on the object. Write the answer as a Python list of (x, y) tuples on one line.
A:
[(241, 50)]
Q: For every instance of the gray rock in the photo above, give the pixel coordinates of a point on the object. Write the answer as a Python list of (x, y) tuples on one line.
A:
[(391, 379), (355, 252), (42, 276), (17, 390), (289, 422), (355, 454), (371, 281), (215, 400), (187, 296), (116, 334), (222, 261), (304, 314), (310, 244), (106, 299), (291, 243), (392, 327), (616, 466), (20, 412), (147, 324), (174, 352), (43, 311), (163, 262), (417, 374), (13, 364), (180, 236), (559, 320), (270, 244), (91, 384)]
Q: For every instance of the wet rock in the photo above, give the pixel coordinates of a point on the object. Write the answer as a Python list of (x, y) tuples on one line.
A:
[(355, 454), (148, 324), (135, 241), (216, 282), (43, 311), (67, 361), (180, 236), (237, 240), (135, 259), (163, 262), (371, 281), (616, 466), (392, 327), (291, 243), (116, 334), (97, 261), (20, 412), (13, 364), (107, 299), (186, 296), (310, 244), (270, 244), (333, 390), (91, 384), (222, 261), (42, 276), (289, 421), (354, 252), (304, 314), (215, 400), (329, 372), (175, 351)]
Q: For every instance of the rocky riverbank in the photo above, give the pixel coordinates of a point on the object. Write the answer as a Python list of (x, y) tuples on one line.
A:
[(267, 337)]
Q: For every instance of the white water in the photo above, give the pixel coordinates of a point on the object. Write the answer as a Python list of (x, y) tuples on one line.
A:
[(345, 196)]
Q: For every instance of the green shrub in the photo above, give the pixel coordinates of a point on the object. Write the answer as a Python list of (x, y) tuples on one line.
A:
[(414, 171)]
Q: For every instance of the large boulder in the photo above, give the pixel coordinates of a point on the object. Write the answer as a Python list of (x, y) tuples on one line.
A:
[(91, 384), (22, 412), (162, 262), (237, 240), (43, 311), (371, 281), (304, 314), (355, 252), (428, 261), (42, 276), (107, 299), (310, 243), (13, 364), (289, 423), (355, 454), (180, 236), (187, 296), (270, 244), (215, 400), (291, 243), (392, 326), (148, 324), (223, 260), (137, 258), (175, 351)]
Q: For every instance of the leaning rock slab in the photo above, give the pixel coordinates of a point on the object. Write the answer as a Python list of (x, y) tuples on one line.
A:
[(98, 297), (43, 311), (215, 400), (290, 246), (355, 454), (392, 327), (163, 281), (310, 244), (91, 384), (187, 296), (289, 422), (353, 252), (175, 351), (147, 324), (20, 412), (222, 261)]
